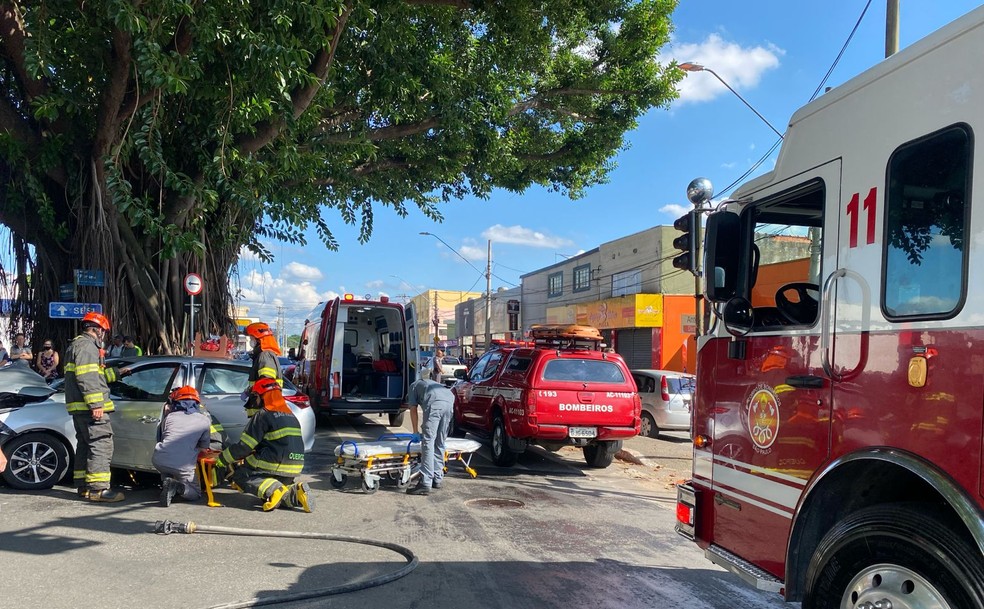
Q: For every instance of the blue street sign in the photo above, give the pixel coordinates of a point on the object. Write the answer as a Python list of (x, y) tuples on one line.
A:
[(72, 310), (89, 277), (66, 291)]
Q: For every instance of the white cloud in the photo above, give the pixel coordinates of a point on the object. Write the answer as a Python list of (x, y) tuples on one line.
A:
[(264, 295), (740, 67), (303, 272), (674, 209), (520, 235), (473, 252), (375, 284)]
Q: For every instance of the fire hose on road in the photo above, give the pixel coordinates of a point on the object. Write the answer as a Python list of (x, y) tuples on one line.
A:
[(166, 527)]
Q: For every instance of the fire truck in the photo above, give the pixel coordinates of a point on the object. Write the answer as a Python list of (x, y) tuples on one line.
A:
[(838, 415)]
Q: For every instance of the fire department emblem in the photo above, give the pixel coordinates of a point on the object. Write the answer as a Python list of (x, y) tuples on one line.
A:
[(763, 417)]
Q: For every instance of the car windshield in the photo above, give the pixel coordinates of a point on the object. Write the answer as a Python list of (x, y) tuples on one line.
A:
[(452, 361), (583, 370)]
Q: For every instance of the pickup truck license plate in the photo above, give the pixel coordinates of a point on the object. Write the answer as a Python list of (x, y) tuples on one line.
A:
[(582, 432)]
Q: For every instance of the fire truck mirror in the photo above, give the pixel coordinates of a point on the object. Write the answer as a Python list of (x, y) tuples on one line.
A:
[(738, 316), (722, 244)]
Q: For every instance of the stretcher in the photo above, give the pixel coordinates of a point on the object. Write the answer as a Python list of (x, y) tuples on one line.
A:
[(395, 456)]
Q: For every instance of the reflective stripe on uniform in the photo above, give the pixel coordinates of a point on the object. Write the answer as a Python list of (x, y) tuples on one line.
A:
[(261, 491), (97, 477), (248, 440), (110, 375), (92, 398), (269, 373), (283, 433), (291, 469), (78, 474), (83, 369)]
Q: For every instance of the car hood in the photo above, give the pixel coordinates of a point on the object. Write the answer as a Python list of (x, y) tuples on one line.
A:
[(19, 385)]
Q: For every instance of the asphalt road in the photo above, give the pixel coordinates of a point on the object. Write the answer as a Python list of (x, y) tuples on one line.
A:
[(548, 533)]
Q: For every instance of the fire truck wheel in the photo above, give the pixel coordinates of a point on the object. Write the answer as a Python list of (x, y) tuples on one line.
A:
[(648, 428), (601, 454), (501, 455), (901, 556)]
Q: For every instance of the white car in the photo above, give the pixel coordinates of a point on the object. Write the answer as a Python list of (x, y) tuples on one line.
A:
[(38, 437), (449, 364)]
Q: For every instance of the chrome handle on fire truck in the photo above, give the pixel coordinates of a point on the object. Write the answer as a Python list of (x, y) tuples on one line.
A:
[(826, 320)]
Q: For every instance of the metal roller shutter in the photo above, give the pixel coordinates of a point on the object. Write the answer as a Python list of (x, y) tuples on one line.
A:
[(636, 347)]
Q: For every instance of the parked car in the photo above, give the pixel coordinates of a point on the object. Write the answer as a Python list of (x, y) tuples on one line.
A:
[(561, 391), (287, 367), (38, 437), (449, 364), (666, 399)]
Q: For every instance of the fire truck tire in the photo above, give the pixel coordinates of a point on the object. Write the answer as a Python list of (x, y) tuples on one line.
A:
[(648, 428), (601, 454), (396, 418), (901, 552), (501, 455)]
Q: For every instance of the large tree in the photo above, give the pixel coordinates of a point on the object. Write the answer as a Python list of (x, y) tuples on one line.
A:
[(151, 138)]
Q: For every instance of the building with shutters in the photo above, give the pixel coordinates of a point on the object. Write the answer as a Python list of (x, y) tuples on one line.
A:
[(628, 289)]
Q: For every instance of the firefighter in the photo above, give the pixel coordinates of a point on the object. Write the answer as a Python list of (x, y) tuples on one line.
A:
[(87, 400), (184, 431), (271, 450), (265, 353)]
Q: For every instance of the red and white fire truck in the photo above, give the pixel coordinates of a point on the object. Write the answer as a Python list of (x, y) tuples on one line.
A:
[(839, 407)]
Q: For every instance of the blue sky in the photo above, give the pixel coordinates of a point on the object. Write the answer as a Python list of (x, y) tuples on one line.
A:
[(773, 52)]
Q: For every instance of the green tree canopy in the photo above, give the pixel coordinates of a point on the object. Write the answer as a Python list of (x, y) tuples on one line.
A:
[(151, 138)]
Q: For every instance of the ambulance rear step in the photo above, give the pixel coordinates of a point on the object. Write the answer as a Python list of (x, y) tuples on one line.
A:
[(749, 573)]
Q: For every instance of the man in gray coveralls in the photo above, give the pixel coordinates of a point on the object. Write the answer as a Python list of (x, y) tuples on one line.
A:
[(437, 402)]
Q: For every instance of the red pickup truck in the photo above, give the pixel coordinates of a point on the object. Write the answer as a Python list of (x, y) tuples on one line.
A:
[(562, 389)]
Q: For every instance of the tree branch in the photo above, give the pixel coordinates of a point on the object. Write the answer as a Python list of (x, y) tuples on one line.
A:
[(108, 120), (539, 100), (464, 4), (12, 37), (361, 170), (302, 96), (383, 134)]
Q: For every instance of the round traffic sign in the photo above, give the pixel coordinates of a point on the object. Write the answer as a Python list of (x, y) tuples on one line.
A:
[(193, 284)]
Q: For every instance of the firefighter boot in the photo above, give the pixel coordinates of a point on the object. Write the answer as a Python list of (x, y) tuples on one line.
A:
[(298, 497), (106, 495), (275, 498), (169, 488)]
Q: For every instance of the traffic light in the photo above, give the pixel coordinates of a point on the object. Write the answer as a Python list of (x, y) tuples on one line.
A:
[(687, 242)]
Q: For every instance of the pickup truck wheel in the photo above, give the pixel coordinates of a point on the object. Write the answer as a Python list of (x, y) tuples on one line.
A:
[(396, 418), (501, 455), (901, 555), (601, 454), (36, 461), (648, 428)]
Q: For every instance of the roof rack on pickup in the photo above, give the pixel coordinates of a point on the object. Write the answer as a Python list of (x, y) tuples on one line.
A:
[(566, 336)]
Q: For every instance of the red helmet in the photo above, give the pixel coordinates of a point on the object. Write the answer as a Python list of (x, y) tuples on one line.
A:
[(95, 319), (258, 330), (186, 393), (264, 385)]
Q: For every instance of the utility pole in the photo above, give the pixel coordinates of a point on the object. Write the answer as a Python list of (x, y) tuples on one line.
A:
[(488, 300), (436, 320), (891, 28)]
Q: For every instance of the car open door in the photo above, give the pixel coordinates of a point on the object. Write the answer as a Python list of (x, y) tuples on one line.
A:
[(412, 356)]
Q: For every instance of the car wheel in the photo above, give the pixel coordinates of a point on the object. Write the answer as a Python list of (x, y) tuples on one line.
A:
[(903, 553), (648, 427), (457, 431), (396, 418), (36, 461), (501, 455), (601, 454)]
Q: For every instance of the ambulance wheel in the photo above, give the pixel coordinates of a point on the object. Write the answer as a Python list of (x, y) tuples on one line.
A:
[(501, 455), (396, 418), (901, 553), (369, 487), (648, 428), (601, 454), (338, 483)]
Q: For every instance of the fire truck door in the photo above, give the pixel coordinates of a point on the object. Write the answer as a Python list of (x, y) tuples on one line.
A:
[(771, 407)]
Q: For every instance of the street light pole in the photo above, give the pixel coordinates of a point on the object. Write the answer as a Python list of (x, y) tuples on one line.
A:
[(488, 300), (696, 67)]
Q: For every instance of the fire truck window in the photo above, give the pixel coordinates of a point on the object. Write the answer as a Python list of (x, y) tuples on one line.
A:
[(787, 248), (926, 224)]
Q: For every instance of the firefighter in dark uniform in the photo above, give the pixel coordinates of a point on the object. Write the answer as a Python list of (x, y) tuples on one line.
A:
[(271, 450), (266, 362), (87, 400)]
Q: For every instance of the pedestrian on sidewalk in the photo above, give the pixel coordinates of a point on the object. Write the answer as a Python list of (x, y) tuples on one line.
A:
[(437, 402)]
